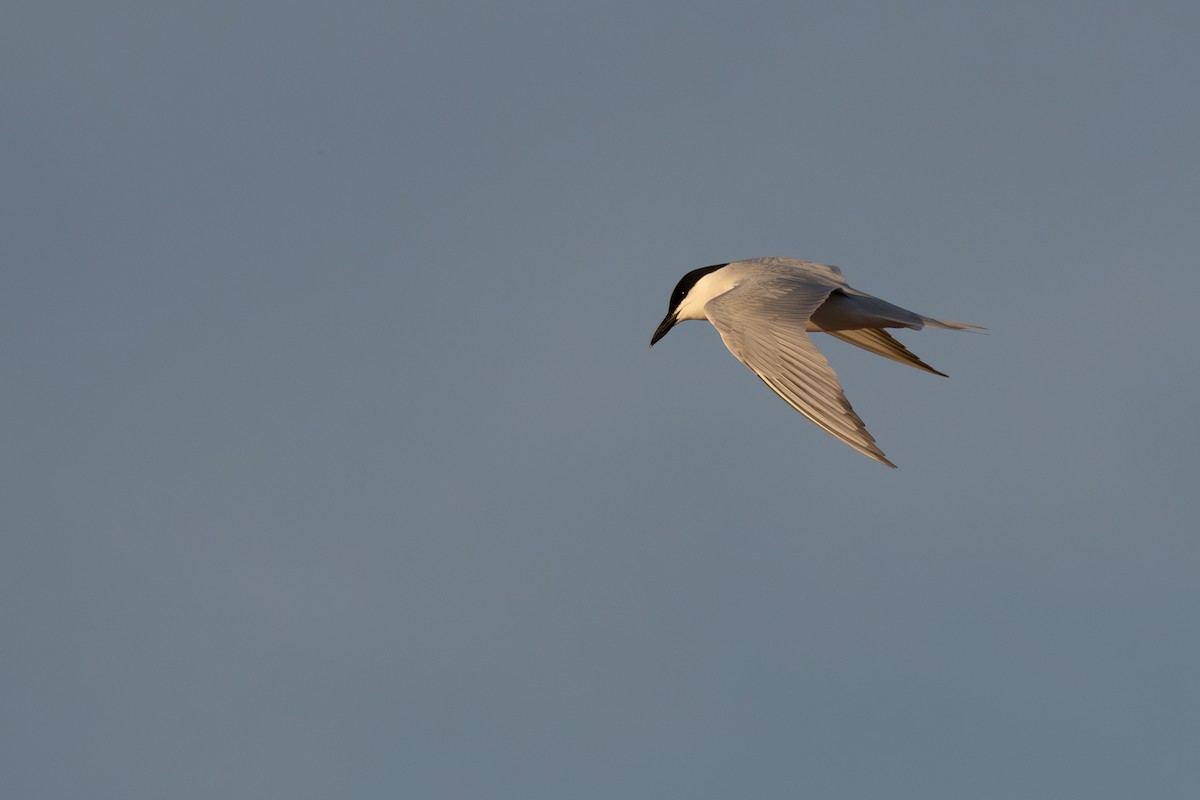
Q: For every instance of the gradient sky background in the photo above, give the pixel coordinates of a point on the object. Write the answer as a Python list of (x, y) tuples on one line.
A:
[(335, 463)]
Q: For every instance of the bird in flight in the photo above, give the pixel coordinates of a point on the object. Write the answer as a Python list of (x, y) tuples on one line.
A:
[(764, 309)]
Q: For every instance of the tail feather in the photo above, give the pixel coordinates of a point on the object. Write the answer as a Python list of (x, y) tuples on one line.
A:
[(930, 322)]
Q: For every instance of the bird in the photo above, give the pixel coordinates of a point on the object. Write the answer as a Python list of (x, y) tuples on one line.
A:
[(765, 308)]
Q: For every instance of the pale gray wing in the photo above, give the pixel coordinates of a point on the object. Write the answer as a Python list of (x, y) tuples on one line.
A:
[(881, 343), (762, 323), (821, 273)]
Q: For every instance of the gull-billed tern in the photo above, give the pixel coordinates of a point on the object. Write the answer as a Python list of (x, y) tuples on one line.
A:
[(764, 309)]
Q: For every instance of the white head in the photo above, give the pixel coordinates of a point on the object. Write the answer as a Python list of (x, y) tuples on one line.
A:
[(692, 292)]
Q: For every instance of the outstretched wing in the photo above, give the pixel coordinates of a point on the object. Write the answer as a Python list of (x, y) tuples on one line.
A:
[(762, 322), (881, 343)]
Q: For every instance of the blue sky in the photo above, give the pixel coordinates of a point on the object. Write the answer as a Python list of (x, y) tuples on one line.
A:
[(335, 461)]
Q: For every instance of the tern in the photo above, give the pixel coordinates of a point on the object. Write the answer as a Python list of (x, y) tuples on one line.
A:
[(764, 309)]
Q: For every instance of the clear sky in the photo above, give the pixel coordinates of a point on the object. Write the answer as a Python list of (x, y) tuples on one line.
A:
[(335, 462)]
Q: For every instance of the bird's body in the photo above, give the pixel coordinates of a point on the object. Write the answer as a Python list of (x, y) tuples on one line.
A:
[(764, 309)]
